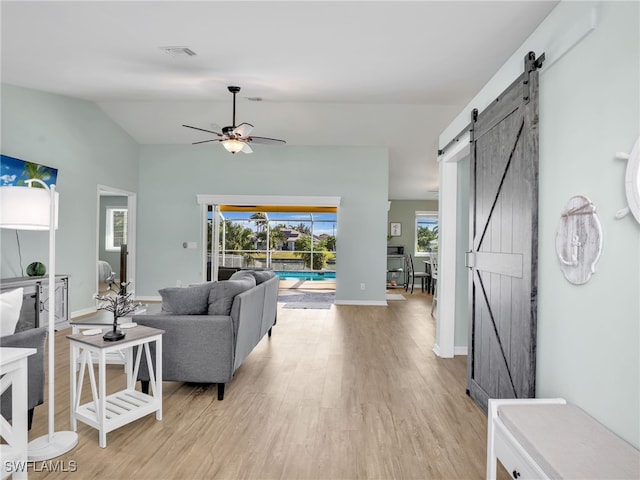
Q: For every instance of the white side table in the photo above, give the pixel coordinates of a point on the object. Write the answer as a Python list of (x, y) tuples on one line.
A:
[(104, 321), (13, 370), (106, 413)]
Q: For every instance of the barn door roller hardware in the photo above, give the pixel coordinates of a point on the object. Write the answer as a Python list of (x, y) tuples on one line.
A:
[(531, 64)]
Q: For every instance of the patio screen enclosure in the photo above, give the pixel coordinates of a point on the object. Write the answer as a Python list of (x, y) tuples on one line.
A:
[(284, 238)]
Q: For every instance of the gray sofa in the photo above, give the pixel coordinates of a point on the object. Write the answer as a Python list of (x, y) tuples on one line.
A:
[(30, 338), (212, 327)]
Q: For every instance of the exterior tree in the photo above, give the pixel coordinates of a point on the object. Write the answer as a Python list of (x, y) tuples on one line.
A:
[(425, 237), (320, 253), (276, 237), (238, 237), (331, 243), (302, 228)]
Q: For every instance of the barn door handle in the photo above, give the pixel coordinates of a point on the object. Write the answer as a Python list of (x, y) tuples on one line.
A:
[(470, 259)]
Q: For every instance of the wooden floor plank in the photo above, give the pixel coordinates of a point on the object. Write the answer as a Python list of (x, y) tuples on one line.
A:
[(347, 393)]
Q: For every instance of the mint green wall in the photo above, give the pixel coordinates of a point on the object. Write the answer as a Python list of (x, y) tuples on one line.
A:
[(588, 348), (76, 137), (168, 215), (589, 336), (88, 149)]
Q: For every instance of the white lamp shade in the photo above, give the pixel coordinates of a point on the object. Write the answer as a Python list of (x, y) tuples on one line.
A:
[(233, 146), (25, 208)]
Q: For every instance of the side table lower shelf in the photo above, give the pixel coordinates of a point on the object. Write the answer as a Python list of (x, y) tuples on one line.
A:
[(109, 412)]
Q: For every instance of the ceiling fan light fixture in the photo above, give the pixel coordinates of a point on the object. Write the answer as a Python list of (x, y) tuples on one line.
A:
[(232, 145), (236, 138)]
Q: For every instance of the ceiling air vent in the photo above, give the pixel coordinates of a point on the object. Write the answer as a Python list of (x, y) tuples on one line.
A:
[(178, 51)]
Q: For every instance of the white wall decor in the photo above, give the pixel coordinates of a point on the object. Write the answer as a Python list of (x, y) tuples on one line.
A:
[(631, 182), (579, 240)]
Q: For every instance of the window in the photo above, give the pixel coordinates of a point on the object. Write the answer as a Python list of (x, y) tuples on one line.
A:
[(277, 239), (426, 233), (116, 228)]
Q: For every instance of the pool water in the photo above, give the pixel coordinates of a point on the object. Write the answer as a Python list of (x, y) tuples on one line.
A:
[(308, 276)]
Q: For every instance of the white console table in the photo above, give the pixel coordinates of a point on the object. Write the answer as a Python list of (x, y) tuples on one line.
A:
[(541, 438), (35, 302), (13, 372), (106, 413)]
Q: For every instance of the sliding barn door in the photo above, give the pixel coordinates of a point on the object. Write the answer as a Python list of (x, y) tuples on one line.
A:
[(503, 243)]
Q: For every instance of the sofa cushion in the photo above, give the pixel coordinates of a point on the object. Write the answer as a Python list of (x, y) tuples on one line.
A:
[(222, 294), (10, 306), (193, 300), (259, 275)]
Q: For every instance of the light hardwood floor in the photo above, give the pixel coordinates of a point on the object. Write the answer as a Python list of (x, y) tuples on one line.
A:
[(347, 393)]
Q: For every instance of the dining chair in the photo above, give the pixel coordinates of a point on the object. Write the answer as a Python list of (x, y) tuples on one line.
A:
[(433, 260), (413, 275)]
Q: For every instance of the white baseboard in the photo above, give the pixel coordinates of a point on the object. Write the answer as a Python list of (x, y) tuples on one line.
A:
[(84, 311), (460, 350), (456, 350), (369, 303)]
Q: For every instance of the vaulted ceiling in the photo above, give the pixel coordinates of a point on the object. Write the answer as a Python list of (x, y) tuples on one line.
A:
[(384, 73)]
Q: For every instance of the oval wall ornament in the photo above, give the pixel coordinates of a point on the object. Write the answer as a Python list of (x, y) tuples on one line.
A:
[(631, 182), (579, 240)]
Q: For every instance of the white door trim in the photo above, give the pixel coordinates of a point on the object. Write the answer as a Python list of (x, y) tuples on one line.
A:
[(448, 204), (310, 201), (131, 230)]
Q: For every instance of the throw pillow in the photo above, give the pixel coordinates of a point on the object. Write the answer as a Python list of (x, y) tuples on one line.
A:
[(10, 306), (259, 275), (263, 275), (192, 300), (223, 293), (242, 274)]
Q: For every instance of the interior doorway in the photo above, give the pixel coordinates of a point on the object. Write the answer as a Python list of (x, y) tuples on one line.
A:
[(116, 226)]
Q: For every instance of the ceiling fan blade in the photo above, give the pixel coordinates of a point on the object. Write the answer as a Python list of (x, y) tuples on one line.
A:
[(243, 130), (266, 140), (203, 130), (246, 149), (206, 141)]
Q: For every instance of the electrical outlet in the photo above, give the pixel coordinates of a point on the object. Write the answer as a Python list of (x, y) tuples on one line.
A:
[(363, 286)]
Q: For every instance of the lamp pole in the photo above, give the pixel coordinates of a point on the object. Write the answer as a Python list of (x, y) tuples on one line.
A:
[(54, 443)]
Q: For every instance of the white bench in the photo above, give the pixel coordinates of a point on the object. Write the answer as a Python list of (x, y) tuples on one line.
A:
[(549, 438)]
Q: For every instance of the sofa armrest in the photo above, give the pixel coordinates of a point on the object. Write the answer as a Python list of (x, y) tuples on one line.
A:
[(31, 338), (195, 348)]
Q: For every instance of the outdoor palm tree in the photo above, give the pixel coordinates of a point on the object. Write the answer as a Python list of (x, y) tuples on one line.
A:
[(276, 237), (261, 221), (239, 238)]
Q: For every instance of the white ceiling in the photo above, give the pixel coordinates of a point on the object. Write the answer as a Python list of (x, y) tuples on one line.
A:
[(329, 73)]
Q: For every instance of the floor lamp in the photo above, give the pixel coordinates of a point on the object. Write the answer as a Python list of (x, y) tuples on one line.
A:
[(30, 208)]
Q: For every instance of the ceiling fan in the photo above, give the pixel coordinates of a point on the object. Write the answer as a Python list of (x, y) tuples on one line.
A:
[(236, 138)]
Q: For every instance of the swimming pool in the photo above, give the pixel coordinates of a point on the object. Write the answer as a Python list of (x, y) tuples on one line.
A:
[(312, 276)]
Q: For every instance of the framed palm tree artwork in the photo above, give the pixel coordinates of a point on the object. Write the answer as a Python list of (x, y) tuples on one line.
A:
[(14, 172)]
